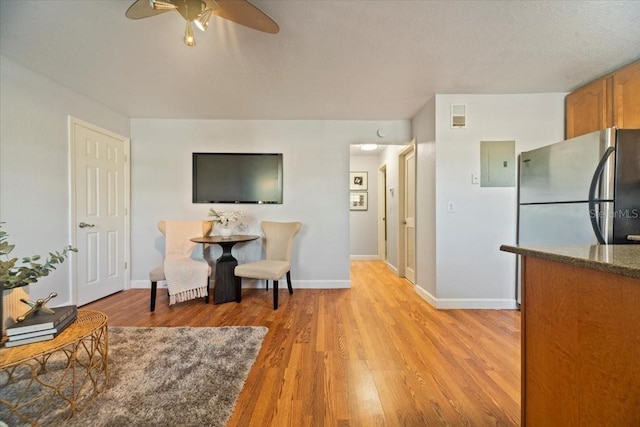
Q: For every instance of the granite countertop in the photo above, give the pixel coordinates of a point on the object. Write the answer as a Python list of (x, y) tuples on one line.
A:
[(617, 259)]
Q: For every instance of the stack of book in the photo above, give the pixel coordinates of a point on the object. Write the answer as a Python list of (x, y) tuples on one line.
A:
[(41, 326)]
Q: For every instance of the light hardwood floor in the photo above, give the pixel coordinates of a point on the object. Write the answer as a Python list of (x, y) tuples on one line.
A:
[(372, 355)]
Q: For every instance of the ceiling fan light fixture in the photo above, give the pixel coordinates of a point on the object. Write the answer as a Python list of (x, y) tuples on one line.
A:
[(161, 5), (189, 40), (241, 12), (202, 20)]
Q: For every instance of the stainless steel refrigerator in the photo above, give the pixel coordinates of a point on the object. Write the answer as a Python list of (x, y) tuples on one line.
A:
[(582, 191)]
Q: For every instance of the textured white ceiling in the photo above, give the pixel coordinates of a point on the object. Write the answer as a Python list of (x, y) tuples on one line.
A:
[(355, 60)]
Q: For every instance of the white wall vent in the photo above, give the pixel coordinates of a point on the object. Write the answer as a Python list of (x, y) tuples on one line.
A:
[(458, 116)]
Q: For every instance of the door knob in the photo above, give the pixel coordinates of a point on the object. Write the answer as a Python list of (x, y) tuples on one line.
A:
[(84, 225)]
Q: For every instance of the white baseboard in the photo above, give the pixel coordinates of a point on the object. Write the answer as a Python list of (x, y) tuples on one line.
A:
[(439, 303), (364, 257), (425, 296), (250, 284), (393, 269), (146, 284), (466, 303)]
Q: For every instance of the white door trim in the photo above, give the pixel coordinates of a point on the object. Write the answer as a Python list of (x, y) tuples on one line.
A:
[(382, 212), (73, 283), (411, 147)]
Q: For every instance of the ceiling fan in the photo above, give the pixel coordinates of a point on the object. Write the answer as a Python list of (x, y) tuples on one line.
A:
[(199, 12)]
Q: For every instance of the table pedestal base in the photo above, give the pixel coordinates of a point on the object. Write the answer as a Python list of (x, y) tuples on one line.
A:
[(227, 285)]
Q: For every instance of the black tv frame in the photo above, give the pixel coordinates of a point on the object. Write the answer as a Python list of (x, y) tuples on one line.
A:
[(196, 198)]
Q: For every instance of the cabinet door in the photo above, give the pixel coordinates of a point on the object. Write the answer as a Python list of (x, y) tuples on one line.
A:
[(588, 109), (626, 96)]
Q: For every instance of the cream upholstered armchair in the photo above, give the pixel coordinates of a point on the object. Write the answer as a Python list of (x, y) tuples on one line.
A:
[(172, 247), (278, 238)]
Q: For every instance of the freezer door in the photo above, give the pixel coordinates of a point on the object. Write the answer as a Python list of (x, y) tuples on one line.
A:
[(558, 224), (562, 172)]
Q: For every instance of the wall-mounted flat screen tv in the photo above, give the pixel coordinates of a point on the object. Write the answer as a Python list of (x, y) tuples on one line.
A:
[(237, 178)]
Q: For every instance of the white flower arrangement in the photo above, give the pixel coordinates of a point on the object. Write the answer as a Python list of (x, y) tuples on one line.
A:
[(225, 218)]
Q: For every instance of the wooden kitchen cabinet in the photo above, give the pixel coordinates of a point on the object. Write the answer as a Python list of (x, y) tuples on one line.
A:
[(581, 347), (580, 335), (626, 97), (589, 108), (613, 100)]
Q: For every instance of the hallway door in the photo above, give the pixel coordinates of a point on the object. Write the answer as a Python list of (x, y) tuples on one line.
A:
[(408, 206)]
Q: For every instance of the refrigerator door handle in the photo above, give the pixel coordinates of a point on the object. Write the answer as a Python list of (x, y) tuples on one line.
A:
[(593, 215)]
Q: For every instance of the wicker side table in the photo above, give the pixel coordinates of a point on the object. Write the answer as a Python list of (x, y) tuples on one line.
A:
[(60, 376)]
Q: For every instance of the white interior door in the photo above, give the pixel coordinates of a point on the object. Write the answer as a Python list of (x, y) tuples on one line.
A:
[(409, 211), (100, 199)]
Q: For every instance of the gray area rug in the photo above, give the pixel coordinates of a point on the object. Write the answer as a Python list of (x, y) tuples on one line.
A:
[(171, 377)]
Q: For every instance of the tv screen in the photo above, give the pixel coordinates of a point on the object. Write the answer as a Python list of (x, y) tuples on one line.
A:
[(237, 178)]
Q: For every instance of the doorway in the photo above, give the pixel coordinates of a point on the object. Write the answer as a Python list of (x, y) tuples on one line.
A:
[(99, 177), (390, 239)]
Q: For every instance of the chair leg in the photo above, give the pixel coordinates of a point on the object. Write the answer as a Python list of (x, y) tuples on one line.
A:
[(238, 289), (275, 294), (289, 282), (154, 289), (206, 297), (267, 287)]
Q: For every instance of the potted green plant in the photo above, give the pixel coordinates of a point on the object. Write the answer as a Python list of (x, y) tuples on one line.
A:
[(16, 273)]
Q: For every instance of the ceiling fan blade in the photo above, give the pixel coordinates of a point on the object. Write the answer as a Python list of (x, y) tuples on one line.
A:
[(244, 13), (142, 9)]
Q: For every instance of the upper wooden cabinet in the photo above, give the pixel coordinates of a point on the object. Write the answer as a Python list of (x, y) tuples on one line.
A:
[(613, 100), (589, 108), (626, 97)]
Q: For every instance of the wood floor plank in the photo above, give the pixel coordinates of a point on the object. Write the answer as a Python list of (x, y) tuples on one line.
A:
[(335, 385), (364, 400), (373, 355)]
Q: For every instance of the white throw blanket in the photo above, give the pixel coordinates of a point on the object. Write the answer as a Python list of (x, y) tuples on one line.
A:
[(187, 277)]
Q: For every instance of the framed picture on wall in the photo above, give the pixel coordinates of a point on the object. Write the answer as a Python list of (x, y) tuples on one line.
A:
[(358, 201), (358, 181)]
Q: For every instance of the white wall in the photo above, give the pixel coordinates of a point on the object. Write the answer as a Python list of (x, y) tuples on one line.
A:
[(364, 224), (471, 271), (459, 266), (316, 176), (34, 165)]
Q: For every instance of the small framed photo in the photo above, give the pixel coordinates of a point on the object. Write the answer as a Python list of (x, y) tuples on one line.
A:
[(358, 181), (358, 201)]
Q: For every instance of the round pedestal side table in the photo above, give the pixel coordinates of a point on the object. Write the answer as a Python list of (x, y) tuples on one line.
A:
[(58, 377), (226, 284)]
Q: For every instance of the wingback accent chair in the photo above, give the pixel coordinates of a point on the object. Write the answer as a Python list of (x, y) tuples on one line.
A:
[(278, 239), (157, 274)]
